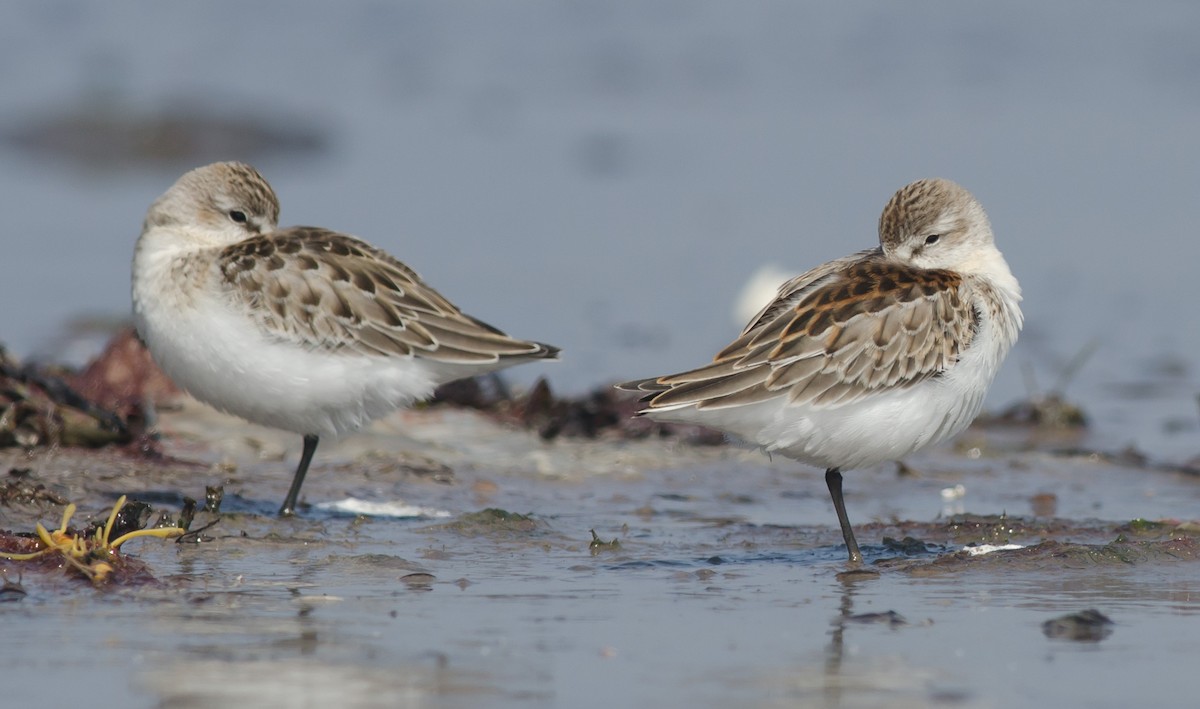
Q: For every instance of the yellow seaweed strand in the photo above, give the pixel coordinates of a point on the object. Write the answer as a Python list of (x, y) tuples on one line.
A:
[(161, 533), (112, 519), (75, 548)]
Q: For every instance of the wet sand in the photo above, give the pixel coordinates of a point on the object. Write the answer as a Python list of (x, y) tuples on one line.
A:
[(726, 585)]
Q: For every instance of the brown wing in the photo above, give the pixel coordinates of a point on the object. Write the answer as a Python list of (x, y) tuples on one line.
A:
[(329, 291), (838, 333)]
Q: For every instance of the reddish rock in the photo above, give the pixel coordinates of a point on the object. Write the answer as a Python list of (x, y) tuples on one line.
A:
[(124, 377)]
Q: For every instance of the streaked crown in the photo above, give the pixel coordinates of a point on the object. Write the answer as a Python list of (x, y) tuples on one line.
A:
[(934, 223), (229, 198)]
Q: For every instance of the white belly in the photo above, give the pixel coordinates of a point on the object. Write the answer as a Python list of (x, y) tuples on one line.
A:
[(223, 360)]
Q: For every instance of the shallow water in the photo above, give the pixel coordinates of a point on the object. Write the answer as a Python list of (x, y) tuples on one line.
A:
[(728, 584), (626, 166)]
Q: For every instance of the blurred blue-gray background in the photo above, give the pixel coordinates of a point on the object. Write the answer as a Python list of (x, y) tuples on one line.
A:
[(606, 176)]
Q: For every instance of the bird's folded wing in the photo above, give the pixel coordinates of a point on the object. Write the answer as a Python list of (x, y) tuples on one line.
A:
[(844, 331), (331, 292)]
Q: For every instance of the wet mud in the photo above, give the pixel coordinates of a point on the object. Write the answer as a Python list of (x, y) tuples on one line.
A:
[(522, 549)]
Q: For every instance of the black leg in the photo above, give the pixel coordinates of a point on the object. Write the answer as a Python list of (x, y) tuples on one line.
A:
[(289, 504), (833, 479)]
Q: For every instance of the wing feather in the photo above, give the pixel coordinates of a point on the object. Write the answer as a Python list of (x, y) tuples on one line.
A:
[(846, 330), (329, 291)]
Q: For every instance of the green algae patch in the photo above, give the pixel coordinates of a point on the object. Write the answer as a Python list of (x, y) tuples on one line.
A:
[(1145, 526), (493, 521), (1051, 555)]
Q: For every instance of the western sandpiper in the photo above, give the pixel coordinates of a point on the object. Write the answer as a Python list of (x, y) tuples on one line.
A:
[(867, 358), (302, 329)]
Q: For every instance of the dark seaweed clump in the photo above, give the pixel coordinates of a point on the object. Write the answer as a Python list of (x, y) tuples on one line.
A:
[(601, 412)]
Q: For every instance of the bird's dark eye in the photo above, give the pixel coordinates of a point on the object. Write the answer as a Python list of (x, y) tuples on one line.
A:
[(237, 216), (932, 239)]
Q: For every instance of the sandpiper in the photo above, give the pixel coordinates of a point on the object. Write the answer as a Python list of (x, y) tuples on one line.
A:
[(869, 357), (302, 328)]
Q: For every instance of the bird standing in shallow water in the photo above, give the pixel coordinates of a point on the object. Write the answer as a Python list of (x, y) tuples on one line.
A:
[(869, 357), (302, 329)]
